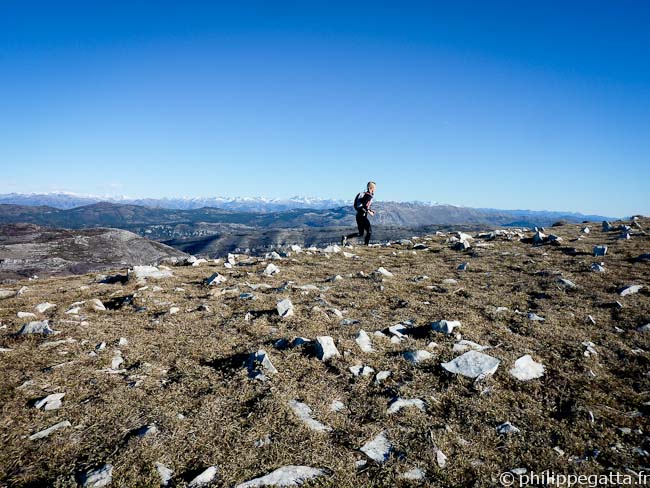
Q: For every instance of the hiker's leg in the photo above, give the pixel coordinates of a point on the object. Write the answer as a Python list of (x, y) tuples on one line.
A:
[(368, 229)]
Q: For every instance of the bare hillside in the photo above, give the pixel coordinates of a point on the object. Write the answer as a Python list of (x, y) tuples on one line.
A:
[(179, 378)]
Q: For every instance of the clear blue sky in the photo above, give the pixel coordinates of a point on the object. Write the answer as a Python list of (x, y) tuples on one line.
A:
[(538, 105)]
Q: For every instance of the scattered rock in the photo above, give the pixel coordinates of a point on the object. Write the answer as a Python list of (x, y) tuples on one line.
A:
[(527, 369), (98, 477), (378, 449), (285, 308), (567, 283), (465, 345), (325, 348), (472, 364), (97, 305), (146, 430), (6, 294), (286, 476), (337, 406), (50, 402), (303, 412), (416, 474), (26, 315), (363, 341), (165, 474), (600, 250), (534, 317), (597, 267), (462, 267), (44, 307), (271, 270), (401, 403), (39, 327), (416, 357), (630, 290), (445, 326), (507, 428), (48, 431), (257, 360), (361, 370), (145, 272), (441, 459), (205, 478), (215, 279), (590, 349), (382, 376), (383, 272)]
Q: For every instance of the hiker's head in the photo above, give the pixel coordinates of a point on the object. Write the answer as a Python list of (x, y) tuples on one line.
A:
[(371, 186)]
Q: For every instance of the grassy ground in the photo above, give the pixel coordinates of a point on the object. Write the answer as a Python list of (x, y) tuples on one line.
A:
[(186, 363)]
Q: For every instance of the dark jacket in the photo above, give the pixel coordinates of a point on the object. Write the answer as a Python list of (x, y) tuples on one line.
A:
[(364, 203)]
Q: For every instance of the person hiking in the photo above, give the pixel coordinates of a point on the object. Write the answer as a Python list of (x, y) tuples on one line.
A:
[(362, 204)]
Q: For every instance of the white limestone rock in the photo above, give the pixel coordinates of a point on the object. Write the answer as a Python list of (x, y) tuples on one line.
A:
[(378, 449), (6, 294), (153, 272), (325, 348), (361, 370), (600, 250), (285, 308), (146, 430), (49, 430), (304, 413), (257, 360), (165, 474), (401, 403), (332, 249), (507, 428), (445, 326), (97, 305), (363, 341), (465, 345), (50, 402), (98, 477), (337, 406), (472, 364), (44, 307), (38, 327), (215, 279), (527, 369), (597, 268), (630, 290), (418, 356), (534, 317), (415, 474), (26, 315), (382, 376), (271, 270), (383, 272), (205, 478), (568, 284), (285, 476)]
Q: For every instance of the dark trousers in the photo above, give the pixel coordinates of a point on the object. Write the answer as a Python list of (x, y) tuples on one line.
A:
[(364, 227)]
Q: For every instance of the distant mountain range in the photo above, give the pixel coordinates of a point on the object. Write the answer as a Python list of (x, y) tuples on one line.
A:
[(62, 200), (163, 223), (212, 231)]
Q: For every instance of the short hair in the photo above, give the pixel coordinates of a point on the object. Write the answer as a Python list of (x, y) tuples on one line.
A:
[(370, 183)]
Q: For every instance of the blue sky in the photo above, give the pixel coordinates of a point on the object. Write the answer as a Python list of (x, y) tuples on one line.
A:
[(536, 105)]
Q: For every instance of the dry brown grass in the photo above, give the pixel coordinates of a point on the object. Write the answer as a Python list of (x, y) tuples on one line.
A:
[(179, 358)]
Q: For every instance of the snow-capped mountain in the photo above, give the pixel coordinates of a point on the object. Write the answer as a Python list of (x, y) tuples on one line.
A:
[(65, 200)]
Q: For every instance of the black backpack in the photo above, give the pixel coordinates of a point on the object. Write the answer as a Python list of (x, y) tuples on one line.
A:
[(357, 200)]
